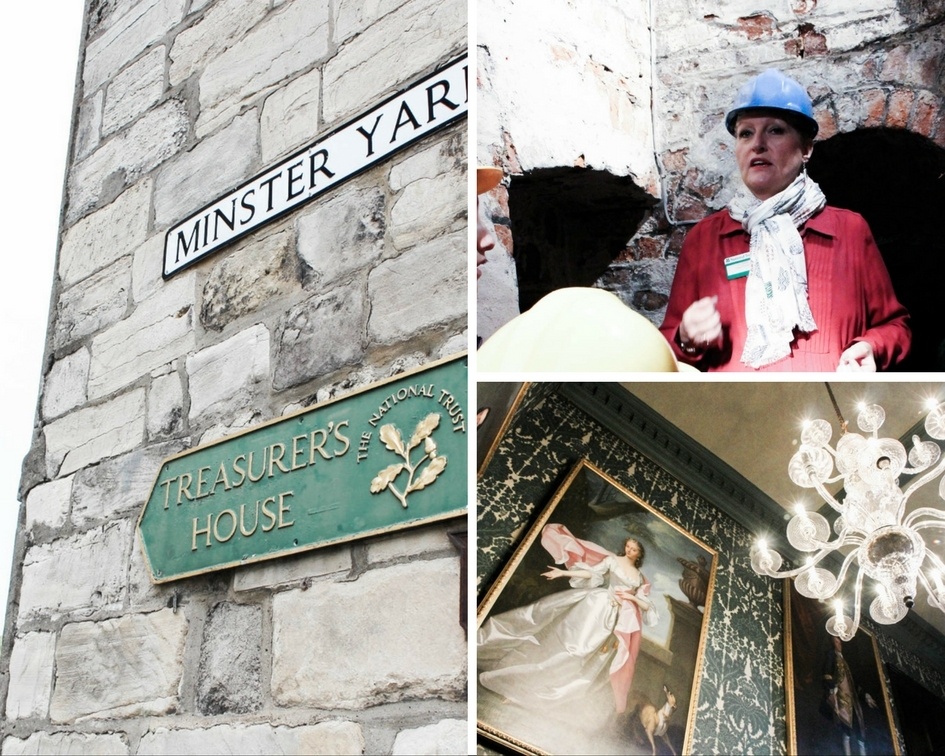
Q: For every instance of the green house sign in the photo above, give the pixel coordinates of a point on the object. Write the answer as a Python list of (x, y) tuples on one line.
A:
[(388, 457)]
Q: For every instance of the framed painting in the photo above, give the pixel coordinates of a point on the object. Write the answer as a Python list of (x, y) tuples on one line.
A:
[(590, 641), (837, 700)]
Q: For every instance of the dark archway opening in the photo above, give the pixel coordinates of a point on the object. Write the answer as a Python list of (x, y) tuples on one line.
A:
[(896, 180), (568, 226)]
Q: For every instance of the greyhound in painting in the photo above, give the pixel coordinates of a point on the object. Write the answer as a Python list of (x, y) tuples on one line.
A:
[(656, 721)]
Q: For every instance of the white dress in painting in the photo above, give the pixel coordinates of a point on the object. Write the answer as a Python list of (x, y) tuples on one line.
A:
[(572, 643)]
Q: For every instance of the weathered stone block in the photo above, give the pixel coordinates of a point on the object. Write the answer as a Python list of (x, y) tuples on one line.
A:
[(423, 288), (411, 542), (428, 206), (31, 664), (343, 233), (143, 24), (285, 43), (224, 24), (213, 167), (384, 643), (446, 736), (228, 677), (128, 155), (258, 740), (159, 330), (386, 55), (320, 335), (124, 667), (225, 377), (48, 504), (147, 268), (260, 272), (447, 155), (290, 116), (291, 569), (112, 232), (89, 128), (134, 90), (94, 433), (85, 571), (98, 302), (354, 16), (65, 386), (165, 406), (118, 486), (67, 743)]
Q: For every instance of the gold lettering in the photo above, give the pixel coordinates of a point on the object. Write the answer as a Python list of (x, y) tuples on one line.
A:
[(201, 482), (193, 541), (269, 515), (277, 460), (284, 508), (343, 439), (317, 447), (221, 476), (296, 451), (167, 491), (183, 489), (262, 472), (239, 470), (216, 526), (255, 520)]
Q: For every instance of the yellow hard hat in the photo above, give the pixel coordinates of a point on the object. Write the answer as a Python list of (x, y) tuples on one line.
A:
[(578, 330)]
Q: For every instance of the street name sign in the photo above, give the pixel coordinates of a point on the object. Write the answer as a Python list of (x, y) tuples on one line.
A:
[(428, 105), (390, 456)]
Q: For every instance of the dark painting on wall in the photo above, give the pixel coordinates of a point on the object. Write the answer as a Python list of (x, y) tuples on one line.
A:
[(921, 715), (590, 641), (837, 702)]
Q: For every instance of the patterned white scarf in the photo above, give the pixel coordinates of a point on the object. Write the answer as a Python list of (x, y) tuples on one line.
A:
[(776, 290)]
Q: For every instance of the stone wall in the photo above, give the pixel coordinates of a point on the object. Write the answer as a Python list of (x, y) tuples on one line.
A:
[(343, 650), (866, 65)]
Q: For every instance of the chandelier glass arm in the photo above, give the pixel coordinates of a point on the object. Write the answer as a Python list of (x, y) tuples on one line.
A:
[(935, 592), (814, 560), (917, 483), (935, 514), (826, 495)]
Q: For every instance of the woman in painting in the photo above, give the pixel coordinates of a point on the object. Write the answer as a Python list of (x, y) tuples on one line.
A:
[(572, 643)]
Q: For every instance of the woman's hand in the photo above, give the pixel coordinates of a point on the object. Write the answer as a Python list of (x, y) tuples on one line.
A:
[(857, 358), (555, 572), (701, 324), (627, 594)]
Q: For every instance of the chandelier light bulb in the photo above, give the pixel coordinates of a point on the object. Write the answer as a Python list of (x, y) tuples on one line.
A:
[(874, 537)]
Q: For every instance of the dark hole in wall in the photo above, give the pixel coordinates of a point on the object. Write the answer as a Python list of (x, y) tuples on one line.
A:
[(896, 180), (568, 225)]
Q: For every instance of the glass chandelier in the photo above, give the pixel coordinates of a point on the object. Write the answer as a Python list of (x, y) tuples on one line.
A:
[(874, 535)]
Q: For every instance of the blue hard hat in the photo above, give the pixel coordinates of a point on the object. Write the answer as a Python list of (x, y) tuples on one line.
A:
[(773, 90)]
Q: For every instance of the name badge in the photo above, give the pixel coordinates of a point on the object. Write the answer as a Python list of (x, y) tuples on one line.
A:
[(737, 266)]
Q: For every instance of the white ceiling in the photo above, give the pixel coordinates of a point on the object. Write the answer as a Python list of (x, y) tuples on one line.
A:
[(755, 426)]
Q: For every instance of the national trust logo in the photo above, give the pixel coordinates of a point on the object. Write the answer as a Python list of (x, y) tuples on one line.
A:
[(391, 437)]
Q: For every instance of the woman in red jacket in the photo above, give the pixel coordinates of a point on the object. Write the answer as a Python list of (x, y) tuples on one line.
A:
[(779, 281)]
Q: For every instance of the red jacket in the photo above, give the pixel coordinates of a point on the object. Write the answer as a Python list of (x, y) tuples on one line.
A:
[(849, 291)]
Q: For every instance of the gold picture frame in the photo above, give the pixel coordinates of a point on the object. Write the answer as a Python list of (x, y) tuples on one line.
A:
[(554, 653), (816, 718)]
